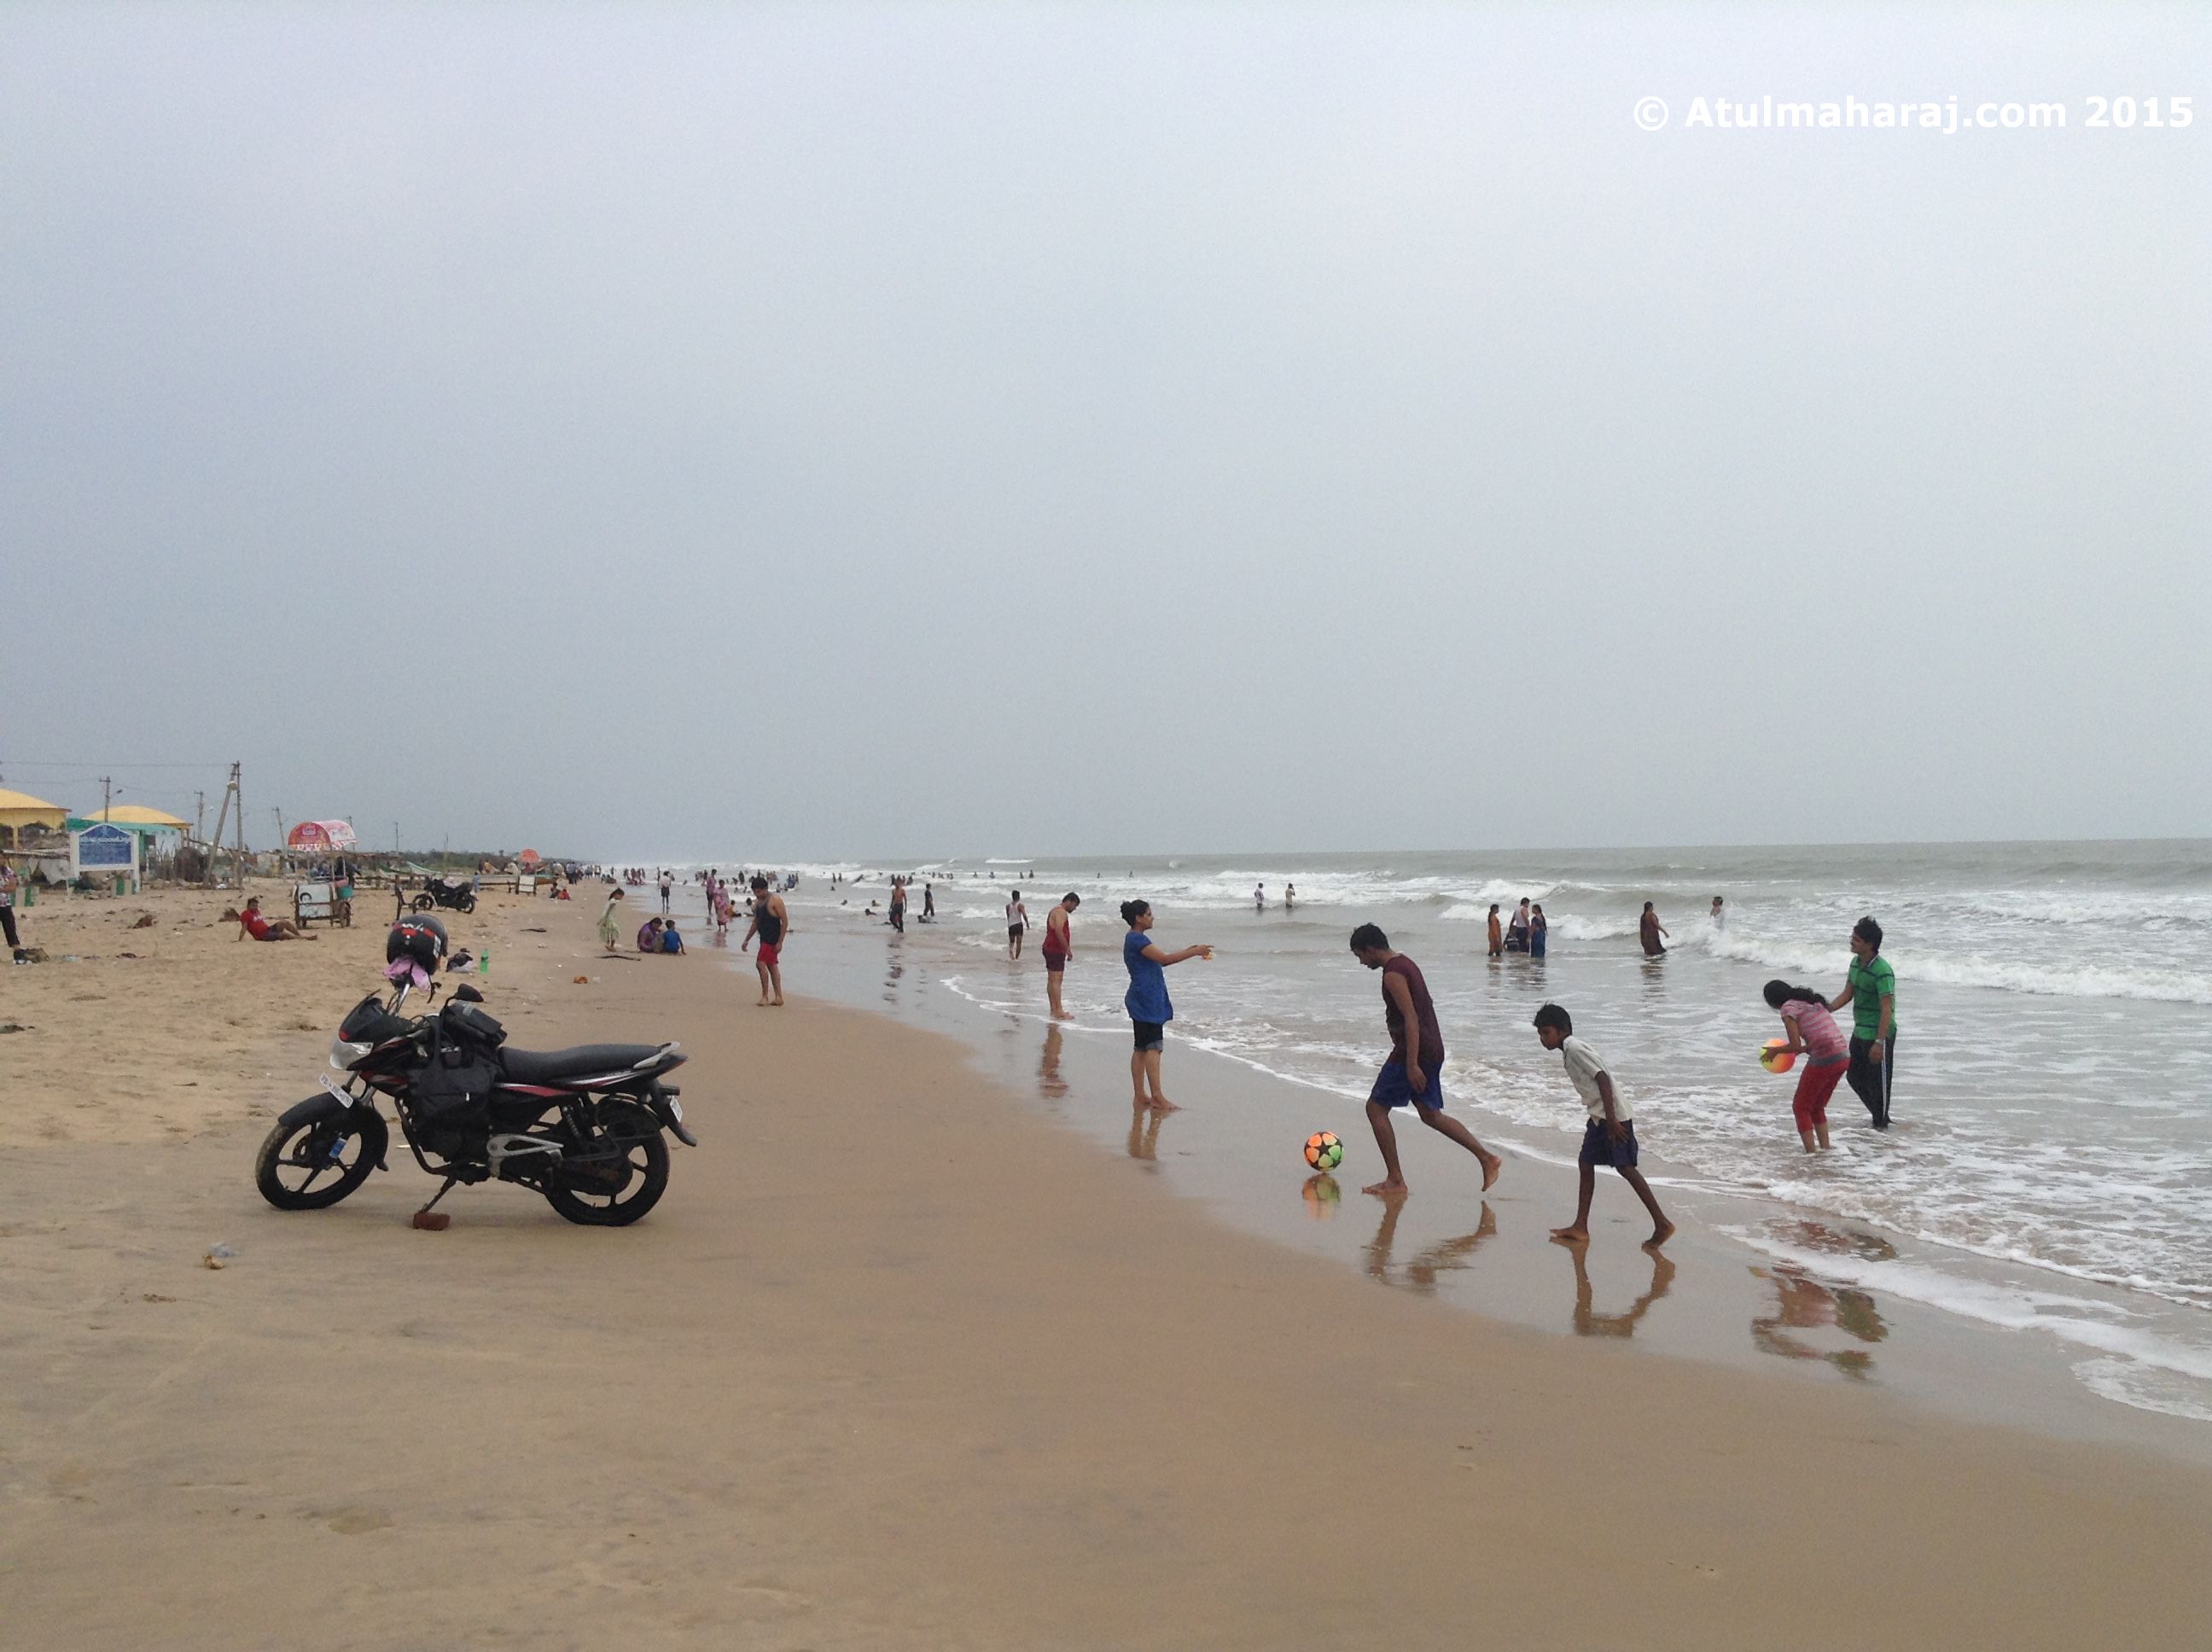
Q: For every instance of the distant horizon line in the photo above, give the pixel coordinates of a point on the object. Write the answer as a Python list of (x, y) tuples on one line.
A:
[(980, 860)]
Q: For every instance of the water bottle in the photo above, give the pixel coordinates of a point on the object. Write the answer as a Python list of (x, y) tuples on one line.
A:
[(483, 962)]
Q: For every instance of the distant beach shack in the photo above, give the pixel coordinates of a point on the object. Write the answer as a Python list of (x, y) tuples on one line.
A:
[(19, 811)]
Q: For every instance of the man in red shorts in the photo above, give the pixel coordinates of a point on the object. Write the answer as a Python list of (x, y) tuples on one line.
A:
[(770, 922)]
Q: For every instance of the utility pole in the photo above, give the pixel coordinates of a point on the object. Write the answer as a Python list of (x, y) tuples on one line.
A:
[(199, 817), (222, 818), (107, 795)]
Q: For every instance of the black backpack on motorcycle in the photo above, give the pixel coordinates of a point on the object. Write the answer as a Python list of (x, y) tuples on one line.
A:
[(452, 1091)]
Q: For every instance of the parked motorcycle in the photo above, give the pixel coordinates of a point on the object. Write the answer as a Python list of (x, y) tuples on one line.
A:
[(455, 893), (583, 1126)]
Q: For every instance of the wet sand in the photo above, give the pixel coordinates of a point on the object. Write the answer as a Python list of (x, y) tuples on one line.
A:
[(898, 1363)]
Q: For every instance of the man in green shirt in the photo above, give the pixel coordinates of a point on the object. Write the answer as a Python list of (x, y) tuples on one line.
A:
[(1871, 991)]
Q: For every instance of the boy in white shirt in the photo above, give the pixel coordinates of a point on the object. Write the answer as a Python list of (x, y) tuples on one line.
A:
[(1609, 1137)]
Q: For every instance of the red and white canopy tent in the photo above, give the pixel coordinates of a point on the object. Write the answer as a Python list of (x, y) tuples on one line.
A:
[(314, 836)]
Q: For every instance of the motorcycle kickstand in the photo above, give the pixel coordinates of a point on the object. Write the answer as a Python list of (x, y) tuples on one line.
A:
[(436, 1224)]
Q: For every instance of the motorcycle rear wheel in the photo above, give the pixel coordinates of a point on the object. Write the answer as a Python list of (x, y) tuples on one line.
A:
[(293, 1160), (467, 903), (424, 903), (642, 1177)]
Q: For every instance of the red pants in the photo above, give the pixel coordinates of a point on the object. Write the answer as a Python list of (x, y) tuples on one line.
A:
[(1814, 1085)]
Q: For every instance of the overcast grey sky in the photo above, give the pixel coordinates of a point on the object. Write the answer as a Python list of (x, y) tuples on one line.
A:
[(899, 431)]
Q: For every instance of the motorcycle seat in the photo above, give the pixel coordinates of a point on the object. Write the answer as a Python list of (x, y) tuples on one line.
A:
[(558, 1066)]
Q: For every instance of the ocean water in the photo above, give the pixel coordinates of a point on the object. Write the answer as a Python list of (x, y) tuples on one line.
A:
[(2050, 1162)]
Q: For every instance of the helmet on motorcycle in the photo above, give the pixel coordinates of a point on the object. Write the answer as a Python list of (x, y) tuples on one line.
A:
[(418, 939)]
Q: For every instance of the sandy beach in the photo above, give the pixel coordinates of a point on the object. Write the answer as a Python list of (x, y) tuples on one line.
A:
[(895, 1363)]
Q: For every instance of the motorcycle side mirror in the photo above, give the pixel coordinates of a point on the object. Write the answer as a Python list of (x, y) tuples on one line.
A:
[(466, 994)]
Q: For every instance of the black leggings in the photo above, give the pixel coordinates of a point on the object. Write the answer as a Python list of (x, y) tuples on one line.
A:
[(1870, 1083), (7, 923)]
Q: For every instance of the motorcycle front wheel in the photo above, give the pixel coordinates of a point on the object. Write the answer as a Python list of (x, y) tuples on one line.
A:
[(424, 903), (465, 904), (312, 1166), (614, 1191)]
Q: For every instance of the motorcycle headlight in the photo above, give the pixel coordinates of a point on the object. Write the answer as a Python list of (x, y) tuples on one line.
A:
[(346, 1056)]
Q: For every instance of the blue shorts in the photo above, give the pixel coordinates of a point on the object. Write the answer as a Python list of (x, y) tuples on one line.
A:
[(1150, 1034), (1599, 1148), (1391, 1090)]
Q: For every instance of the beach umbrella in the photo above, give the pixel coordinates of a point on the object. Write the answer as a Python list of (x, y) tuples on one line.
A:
[(531, 857), (312, 836)]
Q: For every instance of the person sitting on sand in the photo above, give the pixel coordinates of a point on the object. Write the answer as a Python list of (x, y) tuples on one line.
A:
[(670, 942), (1609, 1137), (1415, 1074), (648, 936), (251, 922), (608, 934)]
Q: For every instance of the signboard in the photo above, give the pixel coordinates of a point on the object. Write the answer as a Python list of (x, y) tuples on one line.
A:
[(99, 850)]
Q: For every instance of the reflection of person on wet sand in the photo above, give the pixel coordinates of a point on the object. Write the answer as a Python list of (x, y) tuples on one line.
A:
[(1589, 1322), (1806, 1306), (1419, 1275), (1144, 1131), (1049, 1082)]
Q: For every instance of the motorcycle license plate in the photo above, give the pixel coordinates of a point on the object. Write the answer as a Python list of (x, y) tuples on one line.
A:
[(675, 1109), (343, 1099)]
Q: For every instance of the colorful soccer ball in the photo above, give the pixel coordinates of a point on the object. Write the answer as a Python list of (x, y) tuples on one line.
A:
[(1324, 1150), (1774, 1055)]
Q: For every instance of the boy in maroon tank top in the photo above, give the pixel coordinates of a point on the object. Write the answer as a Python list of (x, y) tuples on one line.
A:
[(1414, 1073)]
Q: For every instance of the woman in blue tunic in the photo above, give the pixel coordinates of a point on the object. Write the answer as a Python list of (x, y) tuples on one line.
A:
[(1146, 1001)]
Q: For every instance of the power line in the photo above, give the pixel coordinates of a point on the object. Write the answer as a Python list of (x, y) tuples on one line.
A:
[(82, 763)]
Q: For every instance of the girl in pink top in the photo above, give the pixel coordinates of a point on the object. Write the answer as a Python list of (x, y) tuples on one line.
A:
[(1813, 1034)]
